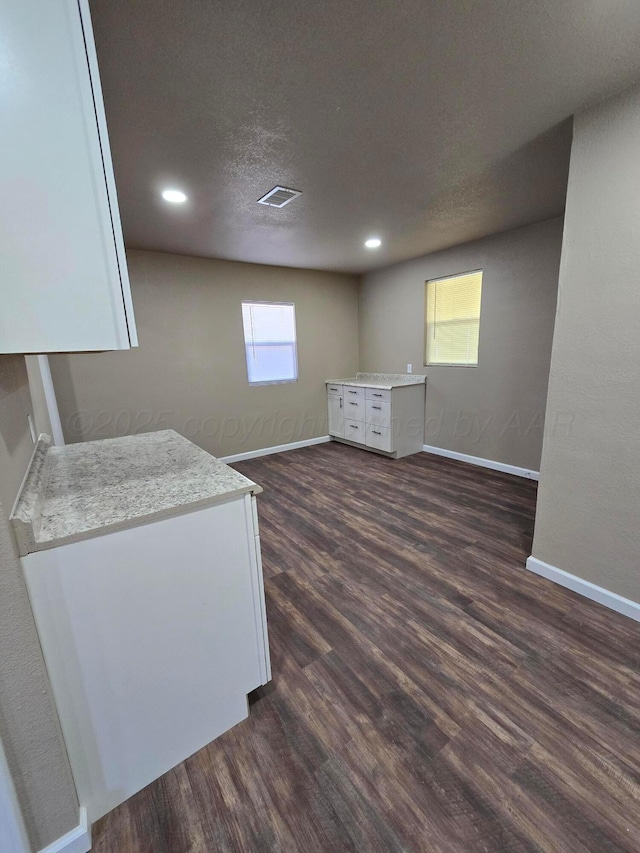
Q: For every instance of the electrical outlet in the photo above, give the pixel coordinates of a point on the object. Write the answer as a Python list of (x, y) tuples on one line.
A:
[(409, 368)]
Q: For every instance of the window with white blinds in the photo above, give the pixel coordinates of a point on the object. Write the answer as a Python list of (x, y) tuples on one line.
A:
[(270, 342), (453, 319)]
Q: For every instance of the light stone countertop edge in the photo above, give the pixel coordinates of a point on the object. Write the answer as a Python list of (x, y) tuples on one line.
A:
[(138, 521), (84, 490), (383, 381), (26, 514)]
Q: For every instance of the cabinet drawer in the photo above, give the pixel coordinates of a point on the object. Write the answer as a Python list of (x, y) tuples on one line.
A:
[(381, 394), (378, 413), (355, 431), (354, 408), (334, 390), (353, 392), (379, 437)]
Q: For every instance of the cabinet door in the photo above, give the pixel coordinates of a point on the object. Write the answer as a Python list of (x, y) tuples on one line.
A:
[(148, 664), (336, 415), (64, 279)]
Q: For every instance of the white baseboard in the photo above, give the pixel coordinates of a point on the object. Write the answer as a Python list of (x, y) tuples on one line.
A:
[(483, 463), (583, 587), (77, 840), (279, 448)]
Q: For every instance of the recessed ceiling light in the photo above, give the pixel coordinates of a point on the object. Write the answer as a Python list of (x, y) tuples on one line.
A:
[(373, 243), (174, 196)]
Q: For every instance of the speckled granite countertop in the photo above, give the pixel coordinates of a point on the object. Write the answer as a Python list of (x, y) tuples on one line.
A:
[(385, 381), (83, 490)]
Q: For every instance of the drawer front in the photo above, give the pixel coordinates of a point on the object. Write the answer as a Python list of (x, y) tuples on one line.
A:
[(379, 437), (355, 431), (353, 392), (354, 408), (382, 395), (334, 390), (378, 413)]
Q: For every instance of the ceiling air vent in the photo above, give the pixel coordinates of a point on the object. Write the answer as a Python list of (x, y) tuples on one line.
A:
[(278, 197)]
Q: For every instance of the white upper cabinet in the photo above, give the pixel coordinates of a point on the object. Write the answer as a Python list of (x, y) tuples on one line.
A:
[(64, 284)]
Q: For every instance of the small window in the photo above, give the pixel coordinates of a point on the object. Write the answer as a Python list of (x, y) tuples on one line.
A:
[(270, 342), (453, 319)]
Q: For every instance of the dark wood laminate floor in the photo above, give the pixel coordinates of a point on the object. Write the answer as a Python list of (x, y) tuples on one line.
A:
[(429, 694)]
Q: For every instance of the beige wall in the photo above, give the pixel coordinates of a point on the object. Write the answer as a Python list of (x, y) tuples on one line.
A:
[(16, 445), (589, 496), (189, 371), (496, 410), (29, 727), (42, 421)]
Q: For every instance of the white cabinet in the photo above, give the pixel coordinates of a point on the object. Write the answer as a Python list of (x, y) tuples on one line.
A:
[(335, 406), (64, 280), (386, 420), (152, 636)]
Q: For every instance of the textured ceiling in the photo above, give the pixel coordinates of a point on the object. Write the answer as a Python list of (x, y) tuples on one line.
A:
[(426, 122)]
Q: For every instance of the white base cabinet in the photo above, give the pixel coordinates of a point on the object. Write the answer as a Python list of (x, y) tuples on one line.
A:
[(389, 421), (152, 636)]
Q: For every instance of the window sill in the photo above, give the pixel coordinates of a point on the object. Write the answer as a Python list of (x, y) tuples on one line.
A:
[(272, 382)]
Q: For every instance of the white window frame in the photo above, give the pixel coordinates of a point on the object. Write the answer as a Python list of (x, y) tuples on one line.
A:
[(428, 363), (294, 342)]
